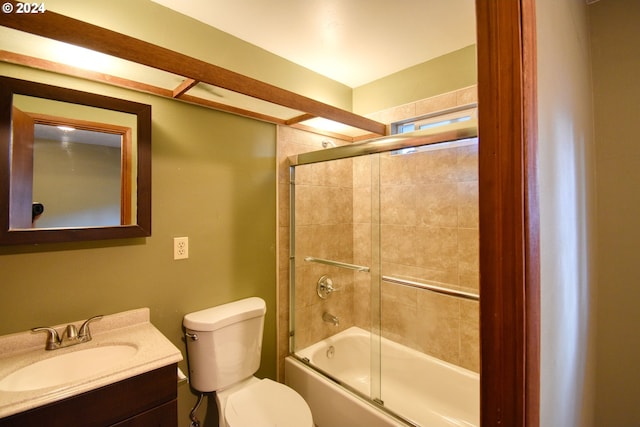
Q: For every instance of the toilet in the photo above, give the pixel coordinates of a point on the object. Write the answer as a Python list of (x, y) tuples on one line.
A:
[(223, 349)]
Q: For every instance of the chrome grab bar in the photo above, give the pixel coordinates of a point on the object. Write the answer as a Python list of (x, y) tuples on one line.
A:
[(398, 281), (432, 288), (337, 264)]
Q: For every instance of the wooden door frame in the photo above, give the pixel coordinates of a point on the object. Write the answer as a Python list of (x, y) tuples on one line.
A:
[(509, 219)]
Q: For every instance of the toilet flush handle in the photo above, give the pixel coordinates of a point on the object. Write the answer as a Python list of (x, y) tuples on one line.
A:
[(194, 337)]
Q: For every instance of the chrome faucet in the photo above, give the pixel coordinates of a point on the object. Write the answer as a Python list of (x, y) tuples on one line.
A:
[(330, 318), (70, 336)]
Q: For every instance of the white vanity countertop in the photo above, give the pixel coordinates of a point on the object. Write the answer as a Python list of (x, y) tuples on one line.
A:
[(129, 327)]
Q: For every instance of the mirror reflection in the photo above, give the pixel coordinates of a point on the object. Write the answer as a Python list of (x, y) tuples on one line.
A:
[(71, 171), (77, 176)]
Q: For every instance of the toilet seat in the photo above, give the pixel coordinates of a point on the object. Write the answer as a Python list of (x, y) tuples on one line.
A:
[(267, 403)]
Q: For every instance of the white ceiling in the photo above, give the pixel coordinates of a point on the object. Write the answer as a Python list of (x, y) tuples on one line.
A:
[(350, 41)]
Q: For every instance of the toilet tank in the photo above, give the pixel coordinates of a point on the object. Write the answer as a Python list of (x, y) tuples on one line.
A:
[(224, 343)]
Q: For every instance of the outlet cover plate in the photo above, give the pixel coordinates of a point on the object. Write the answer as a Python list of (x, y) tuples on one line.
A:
[(180, 247)]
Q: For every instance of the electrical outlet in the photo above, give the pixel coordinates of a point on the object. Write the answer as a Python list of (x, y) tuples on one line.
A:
[(180, 247)]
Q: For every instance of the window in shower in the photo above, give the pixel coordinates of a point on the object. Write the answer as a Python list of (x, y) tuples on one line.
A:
[(430, 121), (384, 272)]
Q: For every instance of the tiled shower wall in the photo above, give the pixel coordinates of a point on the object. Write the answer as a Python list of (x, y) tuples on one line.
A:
[(319, 219), (428, 233), (441, 246), (324, 229)]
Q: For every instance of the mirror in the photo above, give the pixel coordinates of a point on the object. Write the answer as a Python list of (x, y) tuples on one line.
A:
[(75, 165)]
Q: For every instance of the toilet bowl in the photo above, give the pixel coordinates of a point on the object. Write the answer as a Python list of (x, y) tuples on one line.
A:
[(224, 344), (263, 403)]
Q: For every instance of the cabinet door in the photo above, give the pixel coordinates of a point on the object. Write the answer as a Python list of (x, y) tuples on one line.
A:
[(105, 406), (163, 416)]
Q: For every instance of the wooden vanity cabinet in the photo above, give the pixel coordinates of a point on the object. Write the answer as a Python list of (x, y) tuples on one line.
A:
[(146, 400)]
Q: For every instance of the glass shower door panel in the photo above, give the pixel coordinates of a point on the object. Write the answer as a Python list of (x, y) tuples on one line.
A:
[(329, 273), (428, 239)]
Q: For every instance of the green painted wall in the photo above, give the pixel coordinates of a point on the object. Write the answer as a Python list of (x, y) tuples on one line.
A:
[(214, 180), (446, 73), (615, 37)]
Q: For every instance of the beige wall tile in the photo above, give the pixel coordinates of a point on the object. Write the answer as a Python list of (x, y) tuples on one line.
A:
[(437, 166), (362, 300), (468, 250), (439, 318), (397, 204), (467, 204), (362, 172), (362, 205), (437, 248), (436, 103), (392, 115), (362, 244), (470, 335), (467, 96), (470, 281), (397, 170), (398, 244), (437, 204), (467, 163)]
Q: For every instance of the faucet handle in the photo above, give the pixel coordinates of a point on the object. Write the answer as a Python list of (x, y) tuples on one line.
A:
[(84, 333), (53, 339), (325, 287)]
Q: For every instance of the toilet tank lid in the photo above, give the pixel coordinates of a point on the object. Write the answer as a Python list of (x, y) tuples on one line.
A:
[(220, 316)]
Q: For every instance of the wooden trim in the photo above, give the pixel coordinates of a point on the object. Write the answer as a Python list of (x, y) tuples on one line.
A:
[(63, 28), (56, 67), (299, 119), (184, 87), (532, 220), (20, 173), (229, 108), (126, 180), (509, 228), (48, 119)]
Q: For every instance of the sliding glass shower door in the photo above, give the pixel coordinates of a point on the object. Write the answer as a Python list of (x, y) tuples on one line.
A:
[(384, 268)]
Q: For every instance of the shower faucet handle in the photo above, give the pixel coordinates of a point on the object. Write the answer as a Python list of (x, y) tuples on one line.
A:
[(325, 287)]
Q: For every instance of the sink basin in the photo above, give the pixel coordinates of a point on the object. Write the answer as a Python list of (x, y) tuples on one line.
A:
[(67, 368)]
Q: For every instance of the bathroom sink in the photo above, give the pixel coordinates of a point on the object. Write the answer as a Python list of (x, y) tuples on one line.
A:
[(67, 367)]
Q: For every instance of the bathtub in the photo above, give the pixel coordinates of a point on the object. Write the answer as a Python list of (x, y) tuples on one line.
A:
[(416, 389)]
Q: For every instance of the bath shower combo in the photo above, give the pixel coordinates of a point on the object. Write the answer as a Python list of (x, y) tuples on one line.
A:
[(383, 280)]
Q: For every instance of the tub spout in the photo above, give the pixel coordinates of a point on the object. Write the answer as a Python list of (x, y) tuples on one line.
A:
[(330, 318)]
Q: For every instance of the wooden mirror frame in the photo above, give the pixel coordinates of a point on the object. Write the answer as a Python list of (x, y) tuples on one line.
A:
[(142, 227)]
